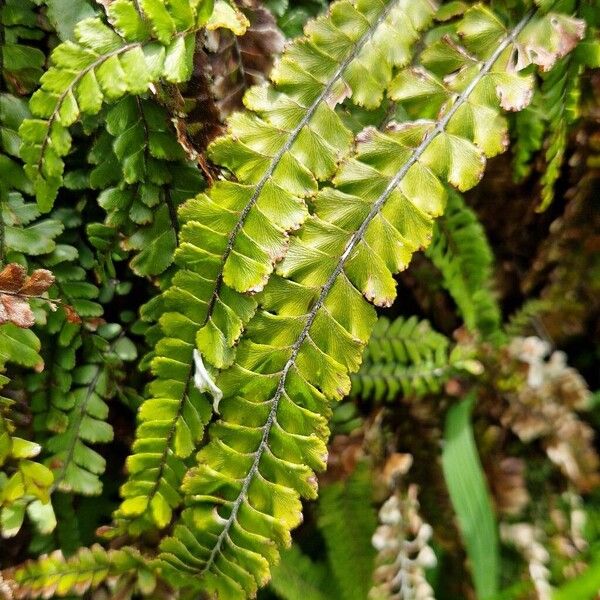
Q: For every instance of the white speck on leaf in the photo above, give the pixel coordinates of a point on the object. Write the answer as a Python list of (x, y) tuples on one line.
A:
[(204, 382)]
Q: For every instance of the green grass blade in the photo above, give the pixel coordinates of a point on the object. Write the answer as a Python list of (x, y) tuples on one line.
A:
[(470, 498)]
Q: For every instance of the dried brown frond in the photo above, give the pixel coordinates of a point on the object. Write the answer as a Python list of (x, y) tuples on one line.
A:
[(16, 290)]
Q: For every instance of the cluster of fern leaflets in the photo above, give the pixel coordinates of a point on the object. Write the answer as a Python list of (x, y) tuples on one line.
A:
[(407, 357), (315, 315), (231, 238), (200, 227), (143, 175)]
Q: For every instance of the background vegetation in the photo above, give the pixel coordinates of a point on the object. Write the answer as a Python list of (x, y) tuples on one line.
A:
[(203, 229)]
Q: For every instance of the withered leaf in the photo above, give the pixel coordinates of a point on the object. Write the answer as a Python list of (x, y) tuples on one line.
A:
[(37, 283), (16, 288), (15, 309), (225, 66), (72, 316), (238, 62), (12, 278)]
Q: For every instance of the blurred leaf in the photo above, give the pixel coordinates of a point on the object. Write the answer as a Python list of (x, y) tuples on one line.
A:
[(470, 498), (65, 14), (584, 587)]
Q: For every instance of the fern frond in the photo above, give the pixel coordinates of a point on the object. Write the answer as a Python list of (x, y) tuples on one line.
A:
[(84, 410), (62, 334), (244, 496), (347, 521), (68, 402), (143, 175), (53, 575), (406, 357), (461, 252), (102, 65), (232, 236)]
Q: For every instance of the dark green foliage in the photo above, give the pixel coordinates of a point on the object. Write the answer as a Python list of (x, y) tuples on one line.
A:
[(83, 410), (347, 521), (462, 254), (143, 177), (405, 357)]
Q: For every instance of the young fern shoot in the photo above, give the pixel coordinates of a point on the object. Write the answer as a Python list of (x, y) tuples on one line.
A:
[(233, 235), (316, 314)]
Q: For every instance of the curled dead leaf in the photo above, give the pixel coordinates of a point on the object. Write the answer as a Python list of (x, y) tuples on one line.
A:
[(238, 62), (16, 289)]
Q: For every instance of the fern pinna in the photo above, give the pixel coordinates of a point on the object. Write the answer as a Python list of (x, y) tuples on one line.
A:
[(316, 313), (232, 236), (406, 357)]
